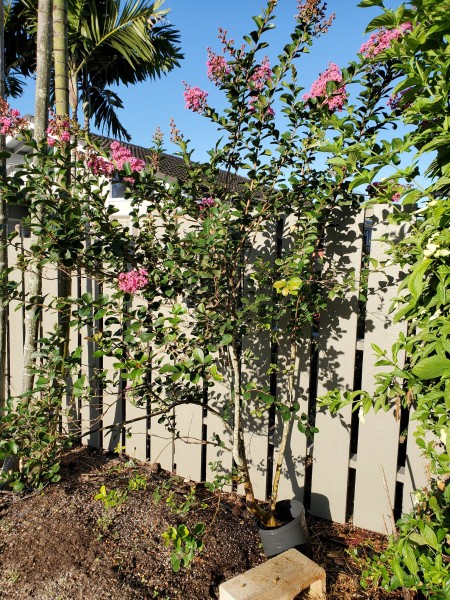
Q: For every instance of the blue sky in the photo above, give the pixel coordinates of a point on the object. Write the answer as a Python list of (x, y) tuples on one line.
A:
[(153, 103)]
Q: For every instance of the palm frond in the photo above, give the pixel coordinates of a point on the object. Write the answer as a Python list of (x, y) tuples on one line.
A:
[(102, 103), (14, 86), (131, 33)]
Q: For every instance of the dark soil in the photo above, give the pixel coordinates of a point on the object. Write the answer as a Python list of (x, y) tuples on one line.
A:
[(62, 544)]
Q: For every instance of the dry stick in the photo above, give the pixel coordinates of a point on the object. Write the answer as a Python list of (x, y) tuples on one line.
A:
[(147, 415), (239, 454), (388, 496)]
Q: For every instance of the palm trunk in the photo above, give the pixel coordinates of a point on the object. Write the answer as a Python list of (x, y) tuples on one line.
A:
[(60, 54), (60, 57), (3, 235), (44, 44), (62, 99), (32, 314)]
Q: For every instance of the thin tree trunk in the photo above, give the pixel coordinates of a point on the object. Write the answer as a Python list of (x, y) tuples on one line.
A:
[(286, 428), (43, 68), (3, 235), (239, 454)]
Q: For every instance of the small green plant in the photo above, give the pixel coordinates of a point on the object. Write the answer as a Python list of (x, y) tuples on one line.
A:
[(111, 499), (184, 506), (104, 523), (119, 449), (221, 479), (415, 556), (184, 543), (137, 482), (156, 495)]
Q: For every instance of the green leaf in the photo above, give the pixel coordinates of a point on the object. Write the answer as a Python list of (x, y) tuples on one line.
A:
[(199, 529), (368, 3), (431, 367), (215, 374), (410, 559), (175, 562), (397, 570), (182, 531), (430, 537), (168, 369), (199, 355), (447, 492), (417, 539), (416, 279), (226, 340)]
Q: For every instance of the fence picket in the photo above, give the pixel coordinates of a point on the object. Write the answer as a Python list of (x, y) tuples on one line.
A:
[(336, 368), (379, 435), (292, 481), (217, 451)]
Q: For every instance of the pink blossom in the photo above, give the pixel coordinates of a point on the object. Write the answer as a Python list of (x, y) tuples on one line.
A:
[(195, 98), (206, 203), (100, 166), (217, 67), (51, 141), (382, 39), (319, 88), (6, 125), (261, 75), (10, 120), (121, 155), (59, 128), (383, 189), (132, 281)]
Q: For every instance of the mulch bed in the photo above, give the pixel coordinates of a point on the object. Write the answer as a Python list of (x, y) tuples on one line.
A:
[(61, 544)]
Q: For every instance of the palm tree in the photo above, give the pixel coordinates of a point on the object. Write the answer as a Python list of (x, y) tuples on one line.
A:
[(109, 44)]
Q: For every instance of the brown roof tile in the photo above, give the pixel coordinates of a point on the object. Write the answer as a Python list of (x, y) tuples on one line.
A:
[(172, 166)]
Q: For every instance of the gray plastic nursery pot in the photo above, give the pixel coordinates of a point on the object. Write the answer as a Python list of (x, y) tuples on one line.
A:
[(292, 534)]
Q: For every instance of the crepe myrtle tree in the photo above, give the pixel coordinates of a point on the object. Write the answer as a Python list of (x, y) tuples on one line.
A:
[(204, 288)]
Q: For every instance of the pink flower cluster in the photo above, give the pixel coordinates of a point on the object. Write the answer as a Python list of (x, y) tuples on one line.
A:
[(195, 98), (319, 88), (10, 119), (99, 165), (58, 130), (134, 280), (206, 203), (382, 39), (121, 155), (217, 67), (258, 80), (261, 75), (380, 188)]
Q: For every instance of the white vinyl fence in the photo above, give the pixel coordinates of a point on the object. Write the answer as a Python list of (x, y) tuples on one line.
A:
[(338, 474)]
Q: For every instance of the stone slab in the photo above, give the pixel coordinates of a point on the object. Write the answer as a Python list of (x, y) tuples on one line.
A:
[(282, 577)]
